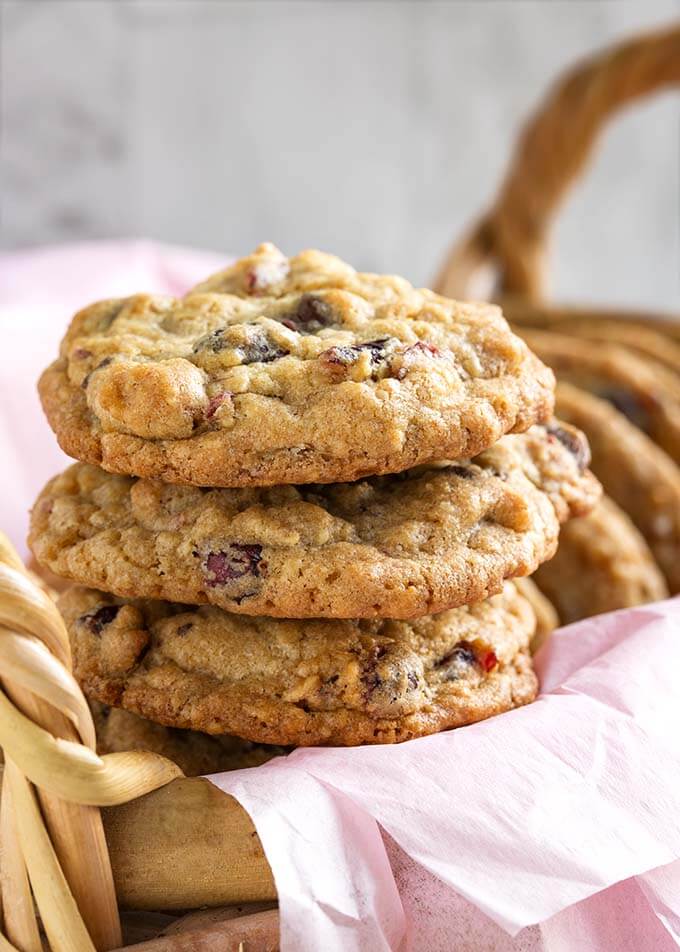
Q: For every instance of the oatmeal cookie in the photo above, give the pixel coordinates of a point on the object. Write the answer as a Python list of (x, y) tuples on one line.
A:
[(394, 546), (302, 682), (285, 370)]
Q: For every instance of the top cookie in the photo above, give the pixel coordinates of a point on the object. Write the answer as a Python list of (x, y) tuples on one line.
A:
[(289, 371)]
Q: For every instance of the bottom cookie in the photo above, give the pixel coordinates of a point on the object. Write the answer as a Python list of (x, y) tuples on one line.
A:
[(303, 682), (602, 564), (195, 753)]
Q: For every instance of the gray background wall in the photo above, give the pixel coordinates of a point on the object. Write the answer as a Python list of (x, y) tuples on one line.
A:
[(373, 129)]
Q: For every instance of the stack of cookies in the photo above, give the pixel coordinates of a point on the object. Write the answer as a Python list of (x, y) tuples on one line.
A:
[(301, 495)]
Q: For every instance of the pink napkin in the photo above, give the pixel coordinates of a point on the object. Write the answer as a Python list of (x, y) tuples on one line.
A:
[(553, 828)]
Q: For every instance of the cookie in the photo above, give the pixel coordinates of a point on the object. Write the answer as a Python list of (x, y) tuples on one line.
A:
[(641, 340), (546, 616), (642, 389), (603, 563), (195, 753), (394, 546), (289, 371), (302, 682), (642, 479), (651, 337)]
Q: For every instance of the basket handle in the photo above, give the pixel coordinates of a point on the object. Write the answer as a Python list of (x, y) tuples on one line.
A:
[(551, 153)]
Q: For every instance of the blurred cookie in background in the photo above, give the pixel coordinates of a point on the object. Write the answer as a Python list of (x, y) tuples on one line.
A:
[(603, 563), (642, 389), (636, 473), (659, 340)]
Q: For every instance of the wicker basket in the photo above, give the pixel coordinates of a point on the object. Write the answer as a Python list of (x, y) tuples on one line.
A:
[(79, 862), (161, 841), (551, 153)]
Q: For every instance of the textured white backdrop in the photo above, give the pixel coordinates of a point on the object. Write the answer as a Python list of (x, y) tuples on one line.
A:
[(373, 129)]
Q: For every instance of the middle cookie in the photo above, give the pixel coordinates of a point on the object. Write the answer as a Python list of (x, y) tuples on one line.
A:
[(396, 546)]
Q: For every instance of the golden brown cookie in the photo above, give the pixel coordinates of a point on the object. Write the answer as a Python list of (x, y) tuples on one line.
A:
[(642, 479), (659, 340), (195, 753), (394, 546), (642, 389), (285, 370), (302, 682), (546, 617), (602, 564)]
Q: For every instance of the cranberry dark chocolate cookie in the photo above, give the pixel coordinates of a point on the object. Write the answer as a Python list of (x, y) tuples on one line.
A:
[(289, 371), (394, 546), (302, 682)]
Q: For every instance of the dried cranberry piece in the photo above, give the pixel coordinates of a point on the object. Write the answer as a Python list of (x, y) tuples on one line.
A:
[(311, 314), (423, 347), (488, 660), (338, 356), (215, 403), (572, 440), (234, 561), (262, 276), (376, 348), (404, 358), (257, 349), (96, 621), (80, 353)]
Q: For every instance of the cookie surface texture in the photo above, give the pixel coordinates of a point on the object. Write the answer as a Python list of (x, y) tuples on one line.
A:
[(394, 546), (292, 370)]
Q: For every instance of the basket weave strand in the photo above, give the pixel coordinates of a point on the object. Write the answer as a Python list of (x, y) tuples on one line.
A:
[(54, 782), (551, 153)]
